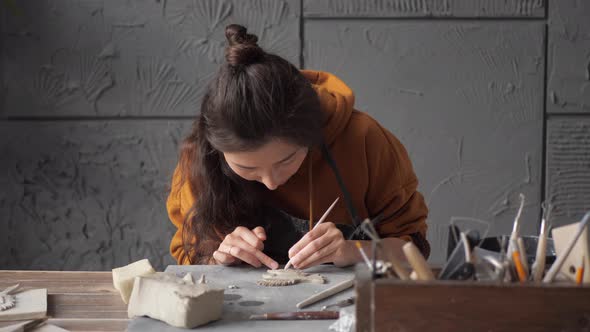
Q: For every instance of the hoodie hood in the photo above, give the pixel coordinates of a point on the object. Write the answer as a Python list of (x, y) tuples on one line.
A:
[(336, 99)]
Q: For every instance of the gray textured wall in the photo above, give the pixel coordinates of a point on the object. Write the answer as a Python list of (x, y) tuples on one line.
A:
[(491, 98)]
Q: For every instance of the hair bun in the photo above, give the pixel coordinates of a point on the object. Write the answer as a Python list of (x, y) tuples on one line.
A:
[(242, 48)]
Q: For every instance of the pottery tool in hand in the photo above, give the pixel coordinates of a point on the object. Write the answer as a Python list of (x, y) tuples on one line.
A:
[(564, 255), (326, 293), (298, 315), (539, 264), (288, 265)]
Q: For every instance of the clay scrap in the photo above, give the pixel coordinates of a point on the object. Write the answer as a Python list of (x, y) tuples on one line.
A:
[(289, 277), (176, 301), (123, 277)]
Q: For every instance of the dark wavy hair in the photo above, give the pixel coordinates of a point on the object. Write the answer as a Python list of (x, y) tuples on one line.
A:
[(254, 97)]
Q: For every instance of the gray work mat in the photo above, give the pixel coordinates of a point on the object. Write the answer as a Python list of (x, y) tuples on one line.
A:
[(251, 298)]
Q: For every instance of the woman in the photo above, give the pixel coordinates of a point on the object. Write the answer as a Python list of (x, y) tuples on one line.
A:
[(273, 144)]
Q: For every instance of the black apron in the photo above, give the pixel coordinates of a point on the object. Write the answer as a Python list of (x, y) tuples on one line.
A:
[(284, 230)]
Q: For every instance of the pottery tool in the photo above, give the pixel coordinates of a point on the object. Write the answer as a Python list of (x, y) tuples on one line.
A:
[(523, 255), (459, 266), (580, 271), (365, 258), (417, 262), (516, 228), (340, 304), (288, 265), (298, 315), (310, 184), (369, 229), (539, 264), (518, 265), (564, 255), (326, 293)]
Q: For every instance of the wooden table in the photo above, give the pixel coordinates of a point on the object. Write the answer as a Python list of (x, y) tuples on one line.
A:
[(77, 301)]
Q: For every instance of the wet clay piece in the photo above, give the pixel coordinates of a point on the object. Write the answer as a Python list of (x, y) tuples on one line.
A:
[(289, 277)]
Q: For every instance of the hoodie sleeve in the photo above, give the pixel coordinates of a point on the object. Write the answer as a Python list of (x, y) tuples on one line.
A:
[(174, 207), (392, 190)]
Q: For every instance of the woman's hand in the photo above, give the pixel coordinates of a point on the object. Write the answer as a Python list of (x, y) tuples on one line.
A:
[(323, 244), (244, 245)]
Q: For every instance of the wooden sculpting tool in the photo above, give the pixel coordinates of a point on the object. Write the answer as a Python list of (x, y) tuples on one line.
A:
[(418, 262), (561, 259), (580, 272), (288, 265), (540, 255), (299, 315), (326, 293)]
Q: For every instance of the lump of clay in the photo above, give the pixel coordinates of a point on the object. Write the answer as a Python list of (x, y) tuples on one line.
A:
[(176, 301), (123, 277), (289, 277)]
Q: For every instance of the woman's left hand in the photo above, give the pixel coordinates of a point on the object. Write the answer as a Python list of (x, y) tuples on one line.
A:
[(323, 244)]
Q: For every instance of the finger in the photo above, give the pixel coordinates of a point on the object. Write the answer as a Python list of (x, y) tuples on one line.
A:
[(313, 247), (260, 233), (249, 237), (240, 250), (244, 251), (309, 237), (324, 255), (223, 258)]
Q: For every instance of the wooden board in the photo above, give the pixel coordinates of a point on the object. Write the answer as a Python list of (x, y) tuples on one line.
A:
[(251, 298), (77, 301)]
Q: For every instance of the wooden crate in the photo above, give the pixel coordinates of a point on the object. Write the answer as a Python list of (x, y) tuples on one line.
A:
[(394, 305)]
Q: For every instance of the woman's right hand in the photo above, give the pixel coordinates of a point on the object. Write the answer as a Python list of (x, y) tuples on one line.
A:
[(244, 245)]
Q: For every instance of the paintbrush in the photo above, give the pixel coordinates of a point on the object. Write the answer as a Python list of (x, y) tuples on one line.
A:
[(288, 265), (298, 315)]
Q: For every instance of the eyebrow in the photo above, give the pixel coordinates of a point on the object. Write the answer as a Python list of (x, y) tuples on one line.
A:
[(278, 162)]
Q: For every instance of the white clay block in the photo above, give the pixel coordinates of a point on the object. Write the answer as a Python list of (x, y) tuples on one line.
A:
[(175, 301), (123, 277), (30, 304)]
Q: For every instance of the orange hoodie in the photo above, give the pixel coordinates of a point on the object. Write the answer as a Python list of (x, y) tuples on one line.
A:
[(374, 165)]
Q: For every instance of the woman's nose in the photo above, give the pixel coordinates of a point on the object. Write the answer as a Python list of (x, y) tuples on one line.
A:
[(270, 180)]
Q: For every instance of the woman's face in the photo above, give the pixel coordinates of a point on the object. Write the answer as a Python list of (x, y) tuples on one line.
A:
[(272, 164)]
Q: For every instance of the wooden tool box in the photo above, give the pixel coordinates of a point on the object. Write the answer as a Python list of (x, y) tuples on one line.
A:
[(395, 305)]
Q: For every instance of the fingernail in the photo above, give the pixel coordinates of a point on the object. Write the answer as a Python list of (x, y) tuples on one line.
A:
[(275, 265)]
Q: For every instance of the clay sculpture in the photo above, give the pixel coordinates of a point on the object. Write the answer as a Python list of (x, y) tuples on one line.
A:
[(289, 277)]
